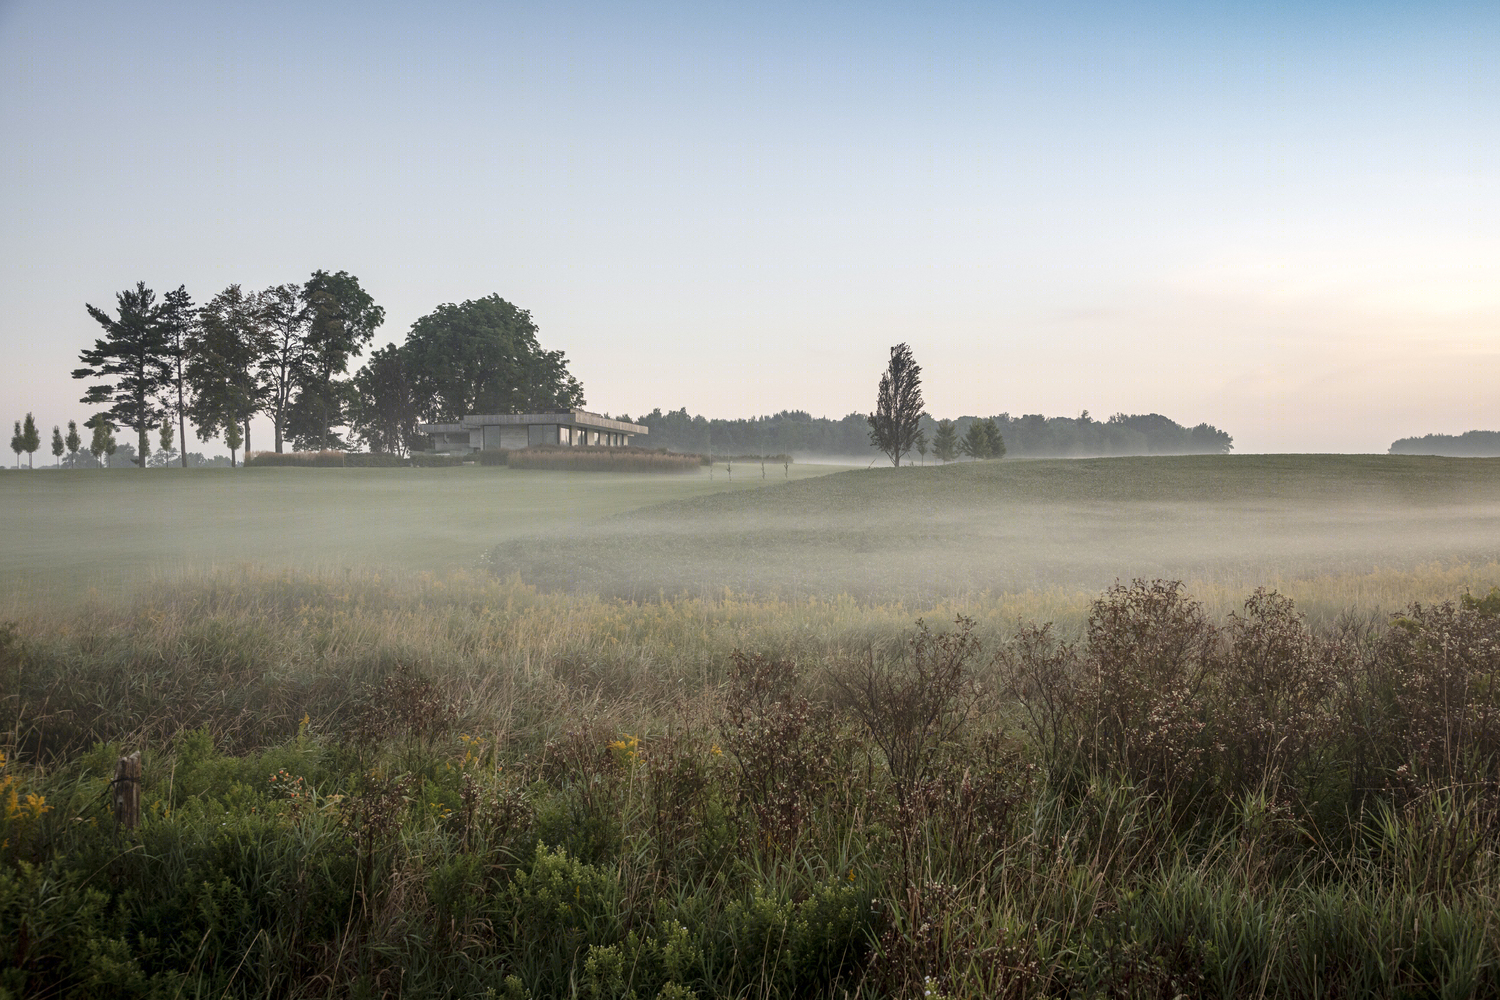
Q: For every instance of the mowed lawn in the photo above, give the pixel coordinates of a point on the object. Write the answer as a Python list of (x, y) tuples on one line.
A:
[(71, 530)]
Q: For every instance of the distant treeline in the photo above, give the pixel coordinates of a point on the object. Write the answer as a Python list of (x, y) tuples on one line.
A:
[(1031, 436), (1471, 444)]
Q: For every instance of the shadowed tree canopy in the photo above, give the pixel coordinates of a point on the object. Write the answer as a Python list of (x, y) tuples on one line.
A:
[(483, 357), (382, 414), (132, 355), (340, 318), (224, 348)]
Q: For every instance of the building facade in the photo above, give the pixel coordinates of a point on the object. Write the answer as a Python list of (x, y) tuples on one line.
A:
[(513, 431)]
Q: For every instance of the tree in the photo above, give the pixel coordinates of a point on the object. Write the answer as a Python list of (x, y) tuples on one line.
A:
[(922, 446), (281, 363), (898, 405), (983, 440), (229, 342), (18, 443), (31, 440), (340, 319), (103, 439), (384, 415), (232, 440), (945, 441), (483, 357), (133, 353), (178, 318), (167, 443), (57, 446), (73, 441)]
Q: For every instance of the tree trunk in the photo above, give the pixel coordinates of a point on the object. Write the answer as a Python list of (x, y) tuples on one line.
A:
[(145, 446), (181, 432), (247, 436)]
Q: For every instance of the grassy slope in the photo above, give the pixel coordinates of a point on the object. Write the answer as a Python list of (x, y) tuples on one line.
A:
[(72, 530), (1024, 525)]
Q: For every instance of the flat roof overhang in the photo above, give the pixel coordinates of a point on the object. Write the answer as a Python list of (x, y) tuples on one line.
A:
[(565, 418)]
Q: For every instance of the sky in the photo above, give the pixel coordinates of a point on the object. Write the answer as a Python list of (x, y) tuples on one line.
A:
[(1282, 219)]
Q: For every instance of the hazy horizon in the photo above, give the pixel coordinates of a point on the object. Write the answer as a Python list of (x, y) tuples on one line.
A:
[(1281, 222)]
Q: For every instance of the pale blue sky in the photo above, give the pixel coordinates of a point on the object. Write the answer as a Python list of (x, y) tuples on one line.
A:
[(1282, 221)]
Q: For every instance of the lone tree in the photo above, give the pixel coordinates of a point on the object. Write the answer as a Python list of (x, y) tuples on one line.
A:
[(898, 405)]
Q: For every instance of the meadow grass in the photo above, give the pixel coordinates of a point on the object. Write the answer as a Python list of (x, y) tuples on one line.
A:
[(368, 777)]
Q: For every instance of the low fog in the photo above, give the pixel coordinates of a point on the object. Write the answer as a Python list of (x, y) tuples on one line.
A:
[(923, 532)]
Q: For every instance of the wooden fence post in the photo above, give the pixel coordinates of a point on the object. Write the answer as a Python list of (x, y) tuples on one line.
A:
[(127, 786)]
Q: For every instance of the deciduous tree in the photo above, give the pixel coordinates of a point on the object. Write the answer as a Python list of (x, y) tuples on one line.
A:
[(898, 405), (73, 441), (232, 440), (230, 342), (483, 356), (340, 319), (17, 443), (31, 440), (132, 354), (57, 446), (103, 439), (383, 414), (178, 318), (283, 358)]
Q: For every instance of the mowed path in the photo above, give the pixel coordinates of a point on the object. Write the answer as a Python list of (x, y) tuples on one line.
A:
[(71, 530)]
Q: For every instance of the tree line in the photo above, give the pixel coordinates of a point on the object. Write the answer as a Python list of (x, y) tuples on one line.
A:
[(1470, 444), (286, 351), (1029, 436)]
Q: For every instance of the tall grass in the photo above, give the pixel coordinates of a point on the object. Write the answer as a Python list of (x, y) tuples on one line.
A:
[(461, 785)]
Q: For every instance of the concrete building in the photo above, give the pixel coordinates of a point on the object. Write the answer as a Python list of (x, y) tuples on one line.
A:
[(511, 431)]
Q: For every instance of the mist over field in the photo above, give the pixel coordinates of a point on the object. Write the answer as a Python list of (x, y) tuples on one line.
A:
[(912, 534), (1083, 524)]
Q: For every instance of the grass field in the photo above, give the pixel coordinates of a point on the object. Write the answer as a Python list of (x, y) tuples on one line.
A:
[(114, 531), (942, 532), (376, 764)]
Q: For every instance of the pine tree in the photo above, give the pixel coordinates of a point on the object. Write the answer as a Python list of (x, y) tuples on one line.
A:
[(945, 441), (983, 440), (57, 446), (133, 352)]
